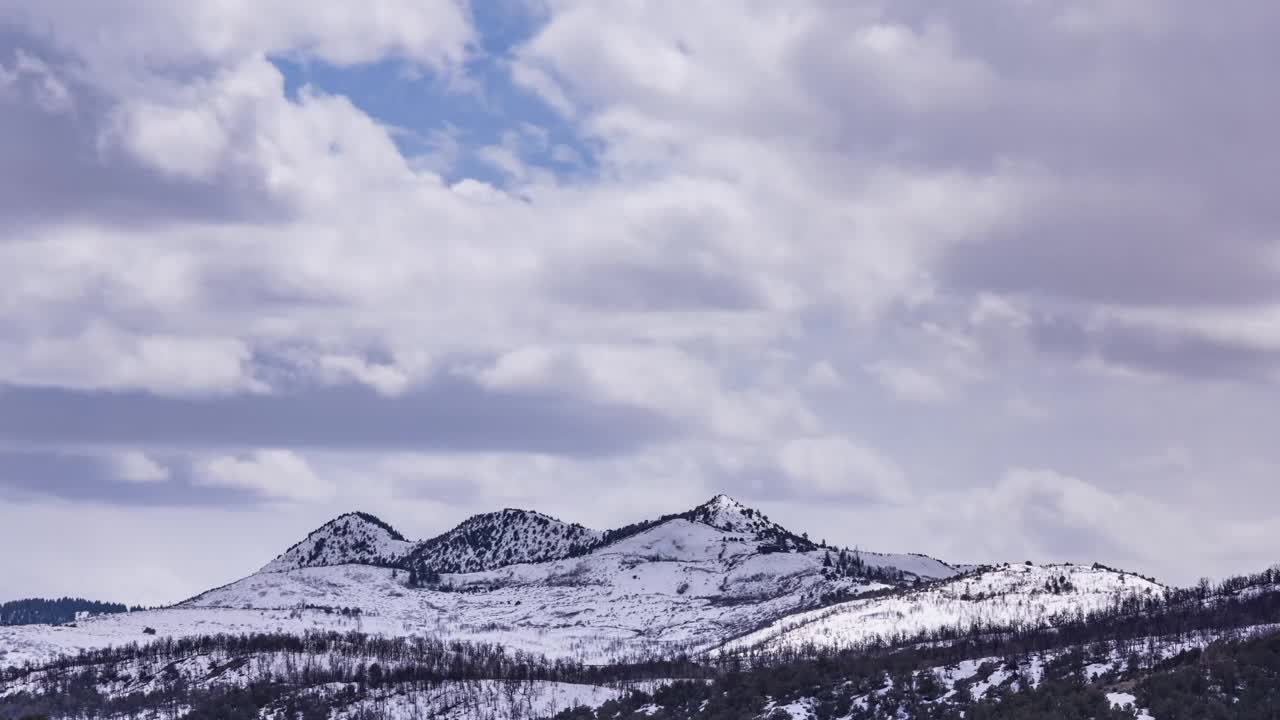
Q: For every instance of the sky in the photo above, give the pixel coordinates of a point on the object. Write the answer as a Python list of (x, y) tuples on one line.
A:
[(991, 281)]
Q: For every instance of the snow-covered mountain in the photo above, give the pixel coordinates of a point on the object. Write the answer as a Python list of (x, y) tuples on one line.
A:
[(494, 540), (724, 513), (517, 615), (692, 581), (508, 537), (686, 581), (358, 538)]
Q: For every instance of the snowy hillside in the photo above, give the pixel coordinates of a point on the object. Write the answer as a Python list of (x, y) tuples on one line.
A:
[(677, 585), (1006, 596), (509, 537), (351, 538), (493, 540), (674, 585), (541, 616), (348, 674), (691, 581)]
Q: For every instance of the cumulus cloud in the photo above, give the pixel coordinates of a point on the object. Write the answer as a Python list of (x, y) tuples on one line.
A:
[(138, 467), (103, 358), (1047, 516), (835, 467), (434, 33), (274, 474), (210, 248), (909, 384)]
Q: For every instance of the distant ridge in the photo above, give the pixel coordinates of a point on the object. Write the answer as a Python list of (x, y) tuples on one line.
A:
[(512, 536)]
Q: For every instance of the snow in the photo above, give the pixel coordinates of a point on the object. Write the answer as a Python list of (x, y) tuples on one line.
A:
[(724, 513), (507, 537), (692, 583), (679, 585), (1120, 700), (1004, 596), (491, 699), (1125, 700), (799, 710), (479, 543), (501, 700), (350, 538)]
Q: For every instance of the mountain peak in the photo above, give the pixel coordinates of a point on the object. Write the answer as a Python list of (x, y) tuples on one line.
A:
[(354, 537), (371, 520), (722, 501), (725, 513), (495, 539)]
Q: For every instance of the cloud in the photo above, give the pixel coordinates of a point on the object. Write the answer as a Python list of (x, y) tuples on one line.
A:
[(115, 477), (1024, 408), (1156, 350), (909, 384), (654, 286), (274, 474), (219, 236), (448, 415), (103, 359), (434, 33), (1047, 516), (31, 77), (823, 375), (137, 467), (834, 467)]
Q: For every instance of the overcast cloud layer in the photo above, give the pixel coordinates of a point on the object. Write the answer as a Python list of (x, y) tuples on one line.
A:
[(992, 281)]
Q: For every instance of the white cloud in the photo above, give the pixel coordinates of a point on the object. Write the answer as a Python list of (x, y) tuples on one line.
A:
[(823, 375), (1024, 408), (386, 379), (1173, 460), (1102, 16), (921, 70), (529, 367), (1044, 515), (274, 474), (910, 384), (103, 358), (827, 159), (434, 33), (137, 467), (181, 141), (836, 467)]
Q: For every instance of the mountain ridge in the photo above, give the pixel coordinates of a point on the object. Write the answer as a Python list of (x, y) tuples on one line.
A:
[(488, 541), (718, 575)]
